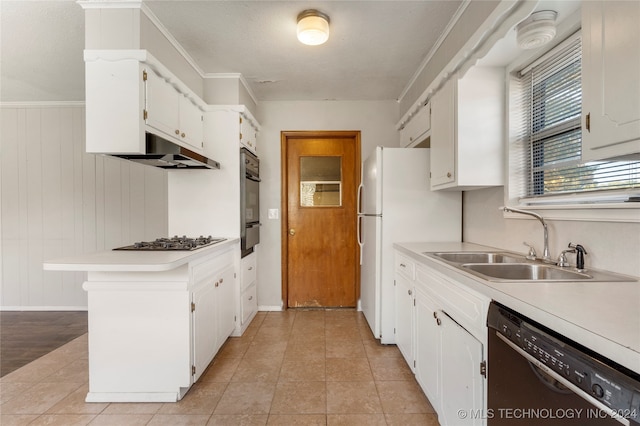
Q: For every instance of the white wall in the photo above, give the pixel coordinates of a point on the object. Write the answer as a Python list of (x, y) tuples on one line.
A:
[(611, 246), (375, 120), (59, 201)]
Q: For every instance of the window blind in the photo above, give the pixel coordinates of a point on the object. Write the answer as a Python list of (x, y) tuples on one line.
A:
[(551, 104)]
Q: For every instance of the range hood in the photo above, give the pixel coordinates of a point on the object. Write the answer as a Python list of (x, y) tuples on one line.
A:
[(167, 155)]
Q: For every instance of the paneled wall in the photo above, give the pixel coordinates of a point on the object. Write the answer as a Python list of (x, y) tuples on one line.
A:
[(58, 201)]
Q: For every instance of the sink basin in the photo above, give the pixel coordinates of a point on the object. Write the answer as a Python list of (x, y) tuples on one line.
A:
[(526, 272), (479, 257)]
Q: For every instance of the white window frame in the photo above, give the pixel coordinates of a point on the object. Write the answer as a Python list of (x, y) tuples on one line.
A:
[(587, 206)]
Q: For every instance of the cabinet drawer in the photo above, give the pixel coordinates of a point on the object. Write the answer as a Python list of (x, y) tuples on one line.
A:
[(248, 273), (405, 266), (205, 268), (466, 308), (249, 303), (417, 129)]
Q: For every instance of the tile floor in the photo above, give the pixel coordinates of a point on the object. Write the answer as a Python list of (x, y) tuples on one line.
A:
[(296, 367)]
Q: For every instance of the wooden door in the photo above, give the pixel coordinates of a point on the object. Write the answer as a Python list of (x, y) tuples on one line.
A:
[(321, 173)]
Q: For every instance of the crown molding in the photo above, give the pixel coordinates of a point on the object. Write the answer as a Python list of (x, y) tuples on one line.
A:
[(43, 104)]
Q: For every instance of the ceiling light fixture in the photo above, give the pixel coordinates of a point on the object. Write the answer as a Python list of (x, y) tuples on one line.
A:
[(313, 27), (537, 30)]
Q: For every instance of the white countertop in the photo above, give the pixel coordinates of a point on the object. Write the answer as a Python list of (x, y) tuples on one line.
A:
[(603, 316), (133, 260)]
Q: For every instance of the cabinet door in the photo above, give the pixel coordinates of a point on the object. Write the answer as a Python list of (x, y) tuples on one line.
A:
[(462, 382), (205, 325), (404, 318), (443, 134), (191, 124), (427, 346), (226, 304), (248, 134), (417, 129), (610, 79), (162, 105)]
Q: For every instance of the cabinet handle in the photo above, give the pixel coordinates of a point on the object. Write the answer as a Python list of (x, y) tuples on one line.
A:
[(588, 122), (217, 284), (448, 174), (402, 265), (183, 135), (438, 321), (250, 268), (435, 314), (250, 297), (410, 292), (177, 131), (221, 280)]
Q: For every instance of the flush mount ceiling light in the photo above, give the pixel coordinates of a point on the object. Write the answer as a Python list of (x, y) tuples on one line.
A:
[(537, 30), (313, 27)]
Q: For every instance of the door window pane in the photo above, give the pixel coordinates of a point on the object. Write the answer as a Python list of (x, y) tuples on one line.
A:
[(320, 181)]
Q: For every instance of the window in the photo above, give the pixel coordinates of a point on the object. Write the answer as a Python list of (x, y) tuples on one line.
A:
[(547, 143)]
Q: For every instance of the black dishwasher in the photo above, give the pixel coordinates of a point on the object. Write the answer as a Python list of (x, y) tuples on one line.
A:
[(538, 377)]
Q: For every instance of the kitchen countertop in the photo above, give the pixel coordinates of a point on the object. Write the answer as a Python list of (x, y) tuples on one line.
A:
[(603, 316), (133, 260)]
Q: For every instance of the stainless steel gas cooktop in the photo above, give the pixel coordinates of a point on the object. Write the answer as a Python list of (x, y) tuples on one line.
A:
[(173, 243)]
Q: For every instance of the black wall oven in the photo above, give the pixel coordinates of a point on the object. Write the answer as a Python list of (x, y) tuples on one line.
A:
[(538, 377), (249, 201)]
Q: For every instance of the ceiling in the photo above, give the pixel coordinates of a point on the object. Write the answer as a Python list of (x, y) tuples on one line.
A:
[(374, 49)]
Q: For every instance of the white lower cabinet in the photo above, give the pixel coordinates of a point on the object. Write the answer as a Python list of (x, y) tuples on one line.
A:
[(447, 333), (248, 289)]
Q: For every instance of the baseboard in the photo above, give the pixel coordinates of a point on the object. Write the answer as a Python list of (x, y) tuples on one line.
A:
[(264, 308), (43, 308)]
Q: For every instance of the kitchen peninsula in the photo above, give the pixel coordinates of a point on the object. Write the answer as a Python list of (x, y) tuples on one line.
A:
[(156, 318)]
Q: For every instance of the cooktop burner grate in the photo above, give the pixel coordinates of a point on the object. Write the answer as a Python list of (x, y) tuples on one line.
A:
[(183, 243)]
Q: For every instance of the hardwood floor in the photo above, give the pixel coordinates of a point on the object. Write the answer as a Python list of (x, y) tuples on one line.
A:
[(26, 336)]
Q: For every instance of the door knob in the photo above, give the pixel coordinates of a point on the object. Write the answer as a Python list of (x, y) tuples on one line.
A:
[(292, 232)]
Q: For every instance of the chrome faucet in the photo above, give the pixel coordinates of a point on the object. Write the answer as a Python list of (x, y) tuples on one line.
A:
[(545, 251)]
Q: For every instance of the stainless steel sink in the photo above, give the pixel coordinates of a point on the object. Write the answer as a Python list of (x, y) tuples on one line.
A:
[(527, 272), (511, 267), (479, 257)]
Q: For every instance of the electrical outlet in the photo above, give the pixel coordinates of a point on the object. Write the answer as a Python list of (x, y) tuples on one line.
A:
[(273, 213)]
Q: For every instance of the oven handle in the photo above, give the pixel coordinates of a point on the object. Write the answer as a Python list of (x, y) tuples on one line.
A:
[(564, 381)]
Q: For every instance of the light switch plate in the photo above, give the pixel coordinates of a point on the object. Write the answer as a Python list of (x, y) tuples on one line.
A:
[(273, 213)]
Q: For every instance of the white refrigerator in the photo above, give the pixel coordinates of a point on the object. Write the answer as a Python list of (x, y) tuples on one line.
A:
[(397, 205)]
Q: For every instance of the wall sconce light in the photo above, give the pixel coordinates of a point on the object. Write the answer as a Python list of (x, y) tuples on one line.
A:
[(313, 27), (537, 30)]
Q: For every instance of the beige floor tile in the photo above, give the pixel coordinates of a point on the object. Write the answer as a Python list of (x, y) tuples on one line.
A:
[(297, 420), (345, 349), (179, 420), (266, 349), (403, 397), (302, 371), (199, 400), (356, 420), (133, 408), (352, 398), (348, 370), (39, 398), (257, 369), (412, 419), (220, 370), (305, 351), (300, 398), (121, 419), (376, 350), (234, 348), (75, 403), (246, 398), (76, 371), (238, 420), (11, 390), (390, 368), (17, 419), (33, 372), (63, 420)]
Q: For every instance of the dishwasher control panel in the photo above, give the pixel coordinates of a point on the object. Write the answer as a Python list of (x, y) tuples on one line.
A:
[(615, 387)]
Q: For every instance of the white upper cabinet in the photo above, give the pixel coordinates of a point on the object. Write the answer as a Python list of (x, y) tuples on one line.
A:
[(128, 96), (171, 113), (248, 133), (610, 79), (416, 130), (467, 121)]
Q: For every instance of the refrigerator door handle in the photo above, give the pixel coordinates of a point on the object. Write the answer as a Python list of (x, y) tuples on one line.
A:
[(359, 198), (359, 225)]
